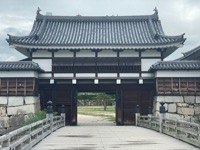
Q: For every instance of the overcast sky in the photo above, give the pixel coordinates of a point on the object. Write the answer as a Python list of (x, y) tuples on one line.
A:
[(177, 17)]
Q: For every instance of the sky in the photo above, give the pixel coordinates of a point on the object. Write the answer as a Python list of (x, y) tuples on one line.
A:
[(177, 17)]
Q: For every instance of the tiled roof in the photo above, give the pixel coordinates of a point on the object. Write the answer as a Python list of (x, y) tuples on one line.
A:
[(192, 54), (93, 31), (176, 65), (19, 66)]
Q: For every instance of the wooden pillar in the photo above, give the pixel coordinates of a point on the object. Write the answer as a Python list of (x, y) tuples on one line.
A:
[(73, 118), (119, 106)]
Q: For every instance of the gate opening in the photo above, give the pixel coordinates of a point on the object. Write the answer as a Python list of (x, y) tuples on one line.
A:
[(96, 108)]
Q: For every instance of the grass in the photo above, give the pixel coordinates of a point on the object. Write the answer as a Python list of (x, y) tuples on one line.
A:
[(109, 114)]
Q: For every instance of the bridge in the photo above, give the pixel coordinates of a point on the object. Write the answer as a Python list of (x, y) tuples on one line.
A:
[(99, 134)]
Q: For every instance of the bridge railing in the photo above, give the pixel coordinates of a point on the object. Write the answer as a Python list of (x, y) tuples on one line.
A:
[(182, 130), (179, 129), (150, 122), (28, 136)]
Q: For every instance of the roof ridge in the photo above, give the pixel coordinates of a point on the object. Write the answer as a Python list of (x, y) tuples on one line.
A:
[(179, 61), (188, 53), (175, 65), (79, 17), (192, 50)]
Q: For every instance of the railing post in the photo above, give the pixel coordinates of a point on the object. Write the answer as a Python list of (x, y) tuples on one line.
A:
[(137, 114), (162, 115), (49, 114), (63, 113), (149, 115)]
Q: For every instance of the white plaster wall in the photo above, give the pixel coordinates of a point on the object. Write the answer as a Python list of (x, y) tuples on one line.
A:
[(63, 53), (107, 53), (151, 53), (45, 75), (85, 53), (16, 74), (85, 75), (107, 75), (147, 63), (63, 75), (184, 73), (129, 53), (129, 75), (148, 75), (41, 53), (45, 64)]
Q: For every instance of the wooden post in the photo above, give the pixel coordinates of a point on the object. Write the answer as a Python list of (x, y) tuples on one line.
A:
[(49, 114), (137, 114), (162, 115), (63, 114)]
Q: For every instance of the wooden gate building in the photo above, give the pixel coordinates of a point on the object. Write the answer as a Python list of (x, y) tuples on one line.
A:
[(97, 53)]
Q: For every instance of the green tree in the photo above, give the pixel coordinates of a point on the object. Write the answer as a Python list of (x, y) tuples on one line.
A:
[(105, 98)]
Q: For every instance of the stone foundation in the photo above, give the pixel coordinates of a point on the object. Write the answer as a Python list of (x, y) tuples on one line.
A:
[(13, 109), (178, 107)]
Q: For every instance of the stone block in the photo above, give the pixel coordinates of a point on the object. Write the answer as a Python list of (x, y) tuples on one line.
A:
[(185, 111), (3, 100), (2, 111), (25, 109), (189, 99), (16, 120), (188, 118), (197, 110), (31, 100), (173, 116), (170, 99), (197, 99), (4, 122), (182, 105), (37, 107), (172, 108), (15, 101)]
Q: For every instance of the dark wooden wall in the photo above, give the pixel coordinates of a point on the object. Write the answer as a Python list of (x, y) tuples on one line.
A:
[(178, 86), (18, 87)]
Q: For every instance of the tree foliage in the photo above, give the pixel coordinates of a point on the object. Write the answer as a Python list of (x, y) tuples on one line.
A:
[(105, 98)]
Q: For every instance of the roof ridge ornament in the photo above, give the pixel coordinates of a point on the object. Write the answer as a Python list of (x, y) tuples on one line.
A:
[(38, 11), (156, 11)]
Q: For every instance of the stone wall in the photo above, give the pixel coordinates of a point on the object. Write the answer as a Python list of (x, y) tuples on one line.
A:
[(13, 109), (178, 107)]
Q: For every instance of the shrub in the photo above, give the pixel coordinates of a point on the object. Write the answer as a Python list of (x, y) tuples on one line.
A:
[(34, 117)]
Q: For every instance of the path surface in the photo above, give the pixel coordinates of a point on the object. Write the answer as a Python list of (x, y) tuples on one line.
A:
[(99, 134)]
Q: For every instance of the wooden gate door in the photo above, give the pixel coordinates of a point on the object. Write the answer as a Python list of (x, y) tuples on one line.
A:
[(141, 95), (130, 100)]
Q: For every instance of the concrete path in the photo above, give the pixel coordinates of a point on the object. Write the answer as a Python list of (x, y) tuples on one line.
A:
[(107, 136)]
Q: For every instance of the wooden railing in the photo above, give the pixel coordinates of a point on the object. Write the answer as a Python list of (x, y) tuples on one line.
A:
[(26, 137), (182, 130)]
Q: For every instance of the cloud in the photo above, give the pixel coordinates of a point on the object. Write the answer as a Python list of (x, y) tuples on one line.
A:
[(177, 16)]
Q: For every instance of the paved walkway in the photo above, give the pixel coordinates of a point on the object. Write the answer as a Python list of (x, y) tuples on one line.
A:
[(99, 134)]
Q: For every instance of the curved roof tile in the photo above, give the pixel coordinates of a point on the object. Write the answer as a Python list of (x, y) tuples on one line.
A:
[(96, 30), (19, 66), (175, 65)]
